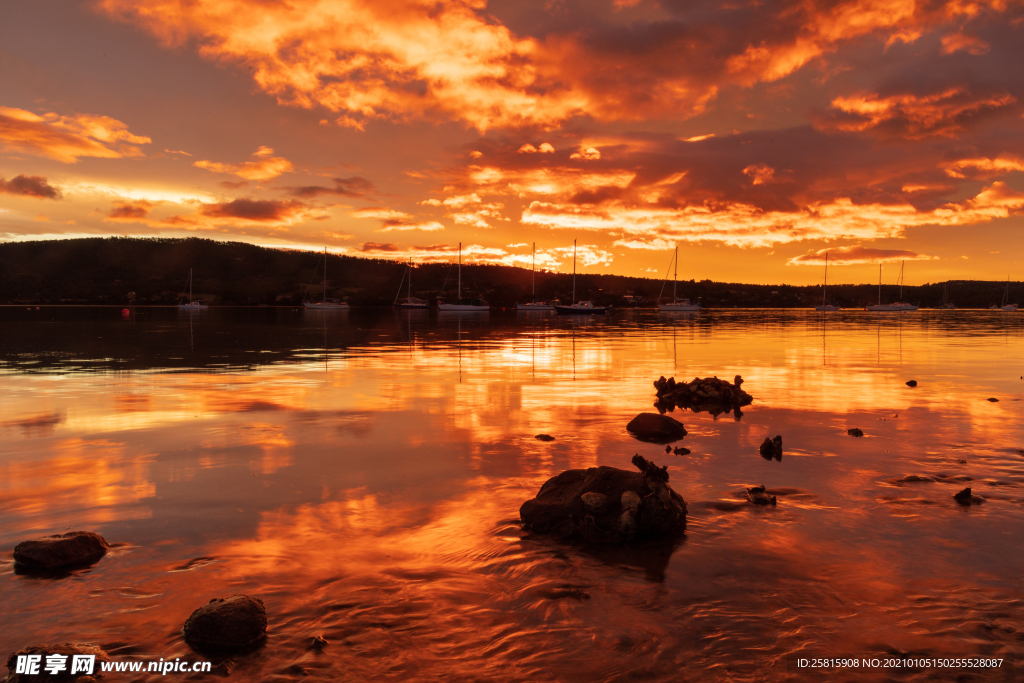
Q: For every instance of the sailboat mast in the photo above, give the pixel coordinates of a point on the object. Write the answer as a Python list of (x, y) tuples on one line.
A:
[(325, 274), (824, 293), (409, 291), (902, 263), (574, 270), (675, 276), (879, 284), (190, 285), (460, 270), (534, 281)]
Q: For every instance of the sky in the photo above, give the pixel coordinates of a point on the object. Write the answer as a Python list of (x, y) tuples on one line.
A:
[(755, 136)]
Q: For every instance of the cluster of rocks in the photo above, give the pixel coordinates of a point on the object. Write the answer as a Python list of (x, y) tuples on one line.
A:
[(235, 624), (607, 505), (709, 394)]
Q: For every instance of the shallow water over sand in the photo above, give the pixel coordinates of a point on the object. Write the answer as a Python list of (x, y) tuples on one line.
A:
[(362, 473)]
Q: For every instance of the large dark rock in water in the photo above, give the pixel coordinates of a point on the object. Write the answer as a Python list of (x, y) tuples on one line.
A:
[(656, 428), (227, 624), (607, 505), (69, 650), (709, 394), (63, 551)]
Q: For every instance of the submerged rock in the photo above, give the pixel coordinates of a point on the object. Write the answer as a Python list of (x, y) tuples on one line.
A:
[(62, 551), (319, 643), (757, 496), (656, 428), (772, 448), (709, 394), (965, 497), (68, 650), (912, 383), (607, 505), (544, 437), (226, 624), (856, 431)]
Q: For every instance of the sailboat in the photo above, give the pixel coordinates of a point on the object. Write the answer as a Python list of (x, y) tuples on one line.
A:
[(1009, 308), (409, 301), (677, 303), (463, 305), (193, 304), (326, 304), (533, 304), (900, 305), (947, 305), (582, 307), (825, 306)]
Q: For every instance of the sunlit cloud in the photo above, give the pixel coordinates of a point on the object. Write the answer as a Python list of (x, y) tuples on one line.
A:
[(745, 225), (29, 186), (956, 42), (265, 167), (1004, 163), (912, 116), (356, 186), (67, 138), (856, 254), (129, 211), (759, 173), (588, 153)]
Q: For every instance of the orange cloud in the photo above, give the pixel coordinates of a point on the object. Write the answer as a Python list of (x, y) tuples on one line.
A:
[(257, 210), (129, 211), (1004, 163), (855, 254), (738, 224), (962, 41), (355, 186), (265, 167), (759, 173), (67, 138), (29, 186), (914, 117)]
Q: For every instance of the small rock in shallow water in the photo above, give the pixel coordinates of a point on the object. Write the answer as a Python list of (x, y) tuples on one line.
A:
[(62, 551), (992, 400), (856, 431), (757, 496), (681, 451), (702, 394), (544, 437), (656, 428), (912, 383), (668, 449), (319, 643), (68, 650), (772, 448), (965, 497), (226, 624)]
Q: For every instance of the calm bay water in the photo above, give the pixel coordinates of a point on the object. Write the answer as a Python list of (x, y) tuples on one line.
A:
[(362, 473)]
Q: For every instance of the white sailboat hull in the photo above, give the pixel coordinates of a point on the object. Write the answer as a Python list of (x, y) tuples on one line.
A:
[(1009, 308), (684, 307)]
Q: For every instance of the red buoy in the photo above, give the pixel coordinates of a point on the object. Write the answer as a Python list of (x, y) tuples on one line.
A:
[(125, 313)]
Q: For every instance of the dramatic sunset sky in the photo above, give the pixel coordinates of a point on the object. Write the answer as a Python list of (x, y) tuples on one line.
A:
[(756, 135)]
